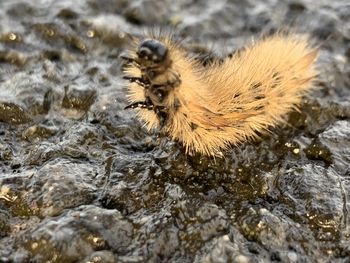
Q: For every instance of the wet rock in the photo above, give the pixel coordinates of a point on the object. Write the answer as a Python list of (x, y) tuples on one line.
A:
[(317, 151), (77, 143), (4, 223), (83, 181), (35, 96), (326, 25), (79, 98), (319, 207), (262, 226), (19, 207), (62, 184), (67, 14), (12, 57), (7, 152), (103, 256), (13, 114), (20, 9), (140, 12), (297, 7), (224, 250), (79, 233), (336, 138), (108, 6), (201, 225), (11, 38), (57, 36), (42, 153), (53, 55), (111, 30), (38, 132)]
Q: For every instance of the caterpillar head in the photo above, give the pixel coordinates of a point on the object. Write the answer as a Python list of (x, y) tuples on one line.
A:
[(153, 59), (152, 50)]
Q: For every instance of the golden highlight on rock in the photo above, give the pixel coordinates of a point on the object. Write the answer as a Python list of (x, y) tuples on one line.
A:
[(209, 109)]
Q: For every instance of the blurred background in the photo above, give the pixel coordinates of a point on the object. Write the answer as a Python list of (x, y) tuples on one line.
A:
[(82, 181)]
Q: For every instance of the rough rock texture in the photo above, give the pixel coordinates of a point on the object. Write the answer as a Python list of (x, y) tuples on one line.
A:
[(82, 181)]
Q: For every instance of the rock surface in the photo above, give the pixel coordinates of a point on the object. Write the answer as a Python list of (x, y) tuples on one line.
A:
[(82, 181)]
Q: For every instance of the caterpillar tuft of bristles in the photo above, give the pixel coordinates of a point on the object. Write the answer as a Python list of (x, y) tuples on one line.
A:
[(208, 109)]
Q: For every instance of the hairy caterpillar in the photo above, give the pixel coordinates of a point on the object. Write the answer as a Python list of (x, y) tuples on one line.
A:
[(209, 109)]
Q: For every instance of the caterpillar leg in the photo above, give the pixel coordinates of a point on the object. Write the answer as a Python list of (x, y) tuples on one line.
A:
[(140, 104)]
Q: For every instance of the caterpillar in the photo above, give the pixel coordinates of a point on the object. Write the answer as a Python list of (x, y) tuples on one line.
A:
[(211, 108)]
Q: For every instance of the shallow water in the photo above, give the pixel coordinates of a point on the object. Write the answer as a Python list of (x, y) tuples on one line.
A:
[(82, 181)]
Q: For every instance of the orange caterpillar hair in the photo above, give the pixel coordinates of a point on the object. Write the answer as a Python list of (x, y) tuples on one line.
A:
[(209, 109)]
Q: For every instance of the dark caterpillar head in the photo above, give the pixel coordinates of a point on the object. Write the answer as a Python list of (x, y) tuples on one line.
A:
[(153, 50)]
